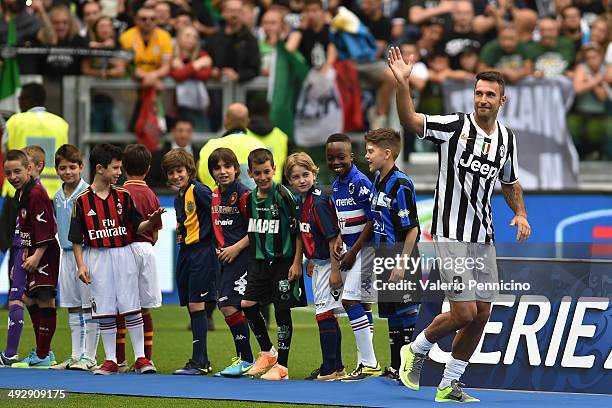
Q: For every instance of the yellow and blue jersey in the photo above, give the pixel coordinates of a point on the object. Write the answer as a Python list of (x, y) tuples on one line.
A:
[(193, 219)]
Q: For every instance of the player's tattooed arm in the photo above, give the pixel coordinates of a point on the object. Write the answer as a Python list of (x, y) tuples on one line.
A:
[(513, 194)]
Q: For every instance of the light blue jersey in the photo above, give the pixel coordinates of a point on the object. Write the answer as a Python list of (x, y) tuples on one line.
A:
[(63, 212)]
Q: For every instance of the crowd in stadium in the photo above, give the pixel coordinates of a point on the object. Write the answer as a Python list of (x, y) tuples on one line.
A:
[(234, 40)]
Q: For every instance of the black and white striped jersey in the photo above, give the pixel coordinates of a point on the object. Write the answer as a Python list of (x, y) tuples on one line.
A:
[(470, 162)]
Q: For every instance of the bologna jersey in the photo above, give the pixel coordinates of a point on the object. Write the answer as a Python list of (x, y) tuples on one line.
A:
[(37, 225), (272, 223), (193, 214), (146, 203), (351, 197), (104, 223), (318, 224), (393, 207), (470, 163), (229, 214)]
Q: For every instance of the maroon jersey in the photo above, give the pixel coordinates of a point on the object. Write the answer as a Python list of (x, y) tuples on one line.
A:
[(108, 223), (36, 220), (146, 202)]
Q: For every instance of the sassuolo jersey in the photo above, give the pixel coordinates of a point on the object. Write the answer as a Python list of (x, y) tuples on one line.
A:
[(351, 197), (318, 224), (229, 214), (393, 207), (272, 223)]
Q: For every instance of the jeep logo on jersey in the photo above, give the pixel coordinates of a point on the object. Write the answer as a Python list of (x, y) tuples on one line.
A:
[(261, 226), (305, 227), (479, 166)]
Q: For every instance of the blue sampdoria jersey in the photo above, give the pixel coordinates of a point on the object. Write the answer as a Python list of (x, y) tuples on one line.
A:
[(318, 224), (351, 197), (63, 212), (393, 206)]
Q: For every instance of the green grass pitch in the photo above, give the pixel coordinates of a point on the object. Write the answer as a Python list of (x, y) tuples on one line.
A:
[(172, 348)]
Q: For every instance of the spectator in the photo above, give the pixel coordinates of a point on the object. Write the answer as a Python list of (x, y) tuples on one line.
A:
[(312, 38), (272, 137), (553, 55), (65, 34), (92, 10), (422, 10), (571, 27), (27, 24), (34, 125), (103, 36), (492, 15), (507, 54), (152, 48), (235, 137), (163, 13), (439, 67), (181, 136), (432, 32), (468, 65), (600, 33), (420, 72), (273, 27), (183, 19), (234, 49), (207, 16), (462, 34), (190, 67), (250, 15), (593, 98), (371, 15)]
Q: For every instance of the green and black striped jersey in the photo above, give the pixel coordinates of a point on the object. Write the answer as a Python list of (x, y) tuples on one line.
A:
[(272, 223)]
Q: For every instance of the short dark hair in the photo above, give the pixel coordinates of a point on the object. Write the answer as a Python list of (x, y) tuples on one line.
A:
[(34, 93), (385, 138), (69, 153), (260, 156), (313, 2), (17, 155), (492, 76), (225, 154), (181, 119), (136, 160), (103, 154), (338, 137), (176, 158)]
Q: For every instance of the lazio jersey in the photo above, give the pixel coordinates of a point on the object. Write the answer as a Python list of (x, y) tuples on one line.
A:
[(63, 212), (351, 197), (272, 223), (193, 214), (393, 207)]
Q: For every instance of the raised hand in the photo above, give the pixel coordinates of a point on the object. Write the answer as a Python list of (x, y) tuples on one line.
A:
[(401, 70)]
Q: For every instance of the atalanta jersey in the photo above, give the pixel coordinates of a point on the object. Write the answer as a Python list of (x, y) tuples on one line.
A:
[(229, 216), (393, 206), (351, 197), (318, 224), (104, 223)]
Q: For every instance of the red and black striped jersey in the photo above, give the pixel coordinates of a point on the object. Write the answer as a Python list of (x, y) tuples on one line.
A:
[(104, 223)]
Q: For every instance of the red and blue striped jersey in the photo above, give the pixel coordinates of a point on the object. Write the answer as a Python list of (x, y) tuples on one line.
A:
[(351, 197), (318, 224), (229, 217)]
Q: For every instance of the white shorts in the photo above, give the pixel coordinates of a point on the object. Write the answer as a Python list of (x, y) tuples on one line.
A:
[(325, 299), (114, 281), (483, 258), (148, 283), (73, 292), (358, 281)]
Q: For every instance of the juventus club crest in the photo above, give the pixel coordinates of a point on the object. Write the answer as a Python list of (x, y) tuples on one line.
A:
[(502, 150)]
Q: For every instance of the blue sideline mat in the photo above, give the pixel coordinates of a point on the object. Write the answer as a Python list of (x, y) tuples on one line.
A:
[(375, 392)]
